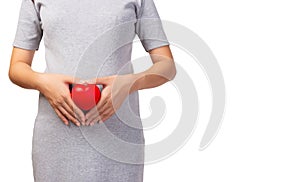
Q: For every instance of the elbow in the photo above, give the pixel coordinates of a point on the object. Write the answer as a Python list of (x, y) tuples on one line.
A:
[(173, 71), (11, 74)]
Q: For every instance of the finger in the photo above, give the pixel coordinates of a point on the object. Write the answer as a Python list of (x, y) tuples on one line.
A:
[(107, 115), (91, 115), (73, 115), (70, 79), (96, 109), (104, 80), (74, 109), (69, 116), (108, 107), (69, 110), (92, 118), (104, 108), (94, 113), (102, 104), (61, 116), (95, 120)]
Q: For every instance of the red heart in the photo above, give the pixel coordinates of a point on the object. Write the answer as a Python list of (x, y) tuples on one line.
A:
[(85, 96)]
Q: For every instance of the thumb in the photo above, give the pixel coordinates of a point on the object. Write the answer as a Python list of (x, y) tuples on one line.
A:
[(70, 79), (104, 80)]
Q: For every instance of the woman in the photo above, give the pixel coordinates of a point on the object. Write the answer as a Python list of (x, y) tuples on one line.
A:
[(89, 40)]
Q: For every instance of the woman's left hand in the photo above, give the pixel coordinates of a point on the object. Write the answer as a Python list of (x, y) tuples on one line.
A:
[(115, 90)]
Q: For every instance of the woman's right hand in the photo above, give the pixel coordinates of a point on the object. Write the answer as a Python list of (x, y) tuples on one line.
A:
[(55, 87)]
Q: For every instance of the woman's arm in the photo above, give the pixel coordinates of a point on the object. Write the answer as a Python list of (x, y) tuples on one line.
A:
[(162, 70), (20, 72), (118, 87), (53, 86)]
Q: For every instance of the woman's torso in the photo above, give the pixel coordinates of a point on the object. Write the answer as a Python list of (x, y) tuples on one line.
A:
[(88, 39)]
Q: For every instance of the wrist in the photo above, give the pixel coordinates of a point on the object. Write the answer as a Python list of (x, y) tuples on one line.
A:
[(136, 82), (38, 77), (134, 85)]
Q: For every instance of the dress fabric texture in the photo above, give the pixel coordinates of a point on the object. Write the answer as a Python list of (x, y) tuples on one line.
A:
[(89, 39)]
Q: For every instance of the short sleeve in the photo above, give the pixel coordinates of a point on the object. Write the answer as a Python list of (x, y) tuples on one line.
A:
[(29, 32), (149, 26)]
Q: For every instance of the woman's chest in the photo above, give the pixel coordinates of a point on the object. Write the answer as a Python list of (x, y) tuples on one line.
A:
[(81, 15)]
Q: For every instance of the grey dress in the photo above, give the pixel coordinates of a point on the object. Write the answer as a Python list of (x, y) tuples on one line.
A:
[(89, 39)]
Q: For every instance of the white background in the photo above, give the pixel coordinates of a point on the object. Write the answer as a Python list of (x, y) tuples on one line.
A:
[(257, 45)]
